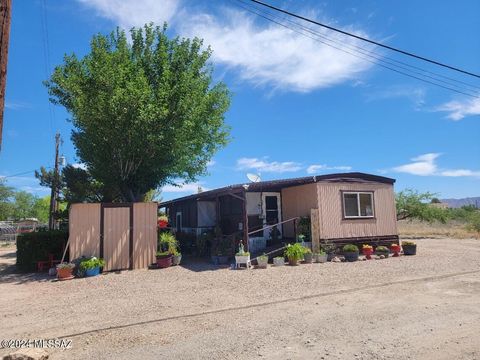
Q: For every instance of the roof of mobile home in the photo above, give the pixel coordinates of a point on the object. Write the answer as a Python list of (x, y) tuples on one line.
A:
[(277, 185)]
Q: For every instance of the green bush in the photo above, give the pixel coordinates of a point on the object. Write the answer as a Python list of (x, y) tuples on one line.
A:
[(35, 246), (350, 248), (295, 252), (91, 263), (167, 242), (382, 249)]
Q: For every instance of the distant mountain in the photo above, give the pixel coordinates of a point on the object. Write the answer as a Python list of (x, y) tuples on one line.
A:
[(456, 203)]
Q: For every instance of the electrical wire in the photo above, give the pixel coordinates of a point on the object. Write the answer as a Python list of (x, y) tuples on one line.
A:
[(365, 39), (366, 58)]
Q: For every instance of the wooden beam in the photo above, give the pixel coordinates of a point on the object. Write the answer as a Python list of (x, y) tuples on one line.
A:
[(245, 221), (5, 14)]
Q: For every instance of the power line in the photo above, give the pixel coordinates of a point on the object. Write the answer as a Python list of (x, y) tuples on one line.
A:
[(19, 174), (367, 59), (368, 52), (365, 39)]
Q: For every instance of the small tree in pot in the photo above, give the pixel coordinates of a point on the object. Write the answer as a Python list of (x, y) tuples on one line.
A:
[(350, 252)]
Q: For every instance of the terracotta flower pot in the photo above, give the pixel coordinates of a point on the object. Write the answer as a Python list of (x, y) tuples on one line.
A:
[(292, 261), (64, 274)]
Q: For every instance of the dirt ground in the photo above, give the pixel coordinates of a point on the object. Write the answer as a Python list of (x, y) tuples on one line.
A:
[(418, 307)]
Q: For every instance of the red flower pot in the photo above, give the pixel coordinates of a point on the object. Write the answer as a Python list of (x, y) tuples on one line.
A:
[(64, 274), (395, 249), (368, 253), (164, 261)]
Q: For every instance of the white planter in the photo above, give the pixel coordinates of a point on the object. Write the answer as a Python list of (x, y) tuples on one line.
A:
[(278, 261), (242, 260), (320, 258), (262, 262)]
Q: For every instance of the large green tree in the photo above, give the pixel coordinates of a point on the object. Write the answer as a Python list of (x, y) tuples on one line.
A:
[(145, 111), (6, 196), (412, 204)]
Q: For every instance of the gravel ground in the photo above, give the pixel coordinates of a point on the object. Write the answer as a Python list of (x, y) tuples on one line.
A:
[(421, 307)]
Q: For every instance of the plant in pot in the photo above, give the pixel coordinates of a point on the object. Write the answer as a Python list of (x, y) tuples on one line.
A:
[(330, 249), (395, 248), (382, 250), (278, 261), (294, 253), (367, 250), (307, 255), (409, 248), (91, 267), (262, 261), (65, 271), (320, 256), (176, 255), (350, 252), (242, 257), (164, 259)]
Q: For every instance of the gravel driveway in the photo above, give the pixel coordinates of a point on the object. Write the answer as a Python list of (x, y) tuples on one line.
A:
[(421, 307)]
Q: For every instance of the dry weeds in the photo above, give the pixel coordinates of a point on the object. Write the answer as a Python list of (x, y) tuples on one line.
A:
[(452, 229)]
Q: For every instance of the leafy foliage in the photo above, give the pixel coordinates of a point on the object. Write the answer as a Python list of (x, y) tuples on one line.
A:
[(414, 205), (91, 263), (145, 111), (294, 252), (350, 248), (35, 246)]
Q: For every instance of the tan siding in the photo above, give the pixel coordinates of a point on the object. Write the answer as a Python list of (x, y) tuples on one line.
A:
[(331, 217), (116, 238), (84, 230), (297, 201), (144, 234)]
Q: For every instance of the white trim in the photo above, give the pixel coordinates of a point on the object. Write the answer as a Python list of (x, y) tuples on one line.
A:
[(266, 233), (358, 193)]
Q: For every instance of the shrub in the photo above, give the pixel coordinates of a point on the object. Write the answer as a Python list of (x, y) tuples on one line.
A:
[(294, 252), (382, 249), (166, 241), (36, 246), (350, 248)]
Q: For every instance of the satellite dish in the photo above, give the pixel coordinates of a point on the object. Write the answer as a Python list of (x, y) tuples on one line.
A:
[(254, 178)]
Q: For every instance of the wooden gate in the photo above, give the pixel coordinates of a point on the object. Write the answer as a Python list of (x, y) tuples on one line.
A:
[(124, 235)]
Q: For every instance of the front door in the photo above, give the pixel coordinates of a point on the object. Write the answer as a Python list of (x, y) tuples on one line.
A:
[(272, 213)]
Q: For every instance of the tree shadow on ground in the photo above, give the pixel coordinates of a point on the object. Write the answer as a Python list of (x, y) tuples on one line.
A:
[(10, 274)]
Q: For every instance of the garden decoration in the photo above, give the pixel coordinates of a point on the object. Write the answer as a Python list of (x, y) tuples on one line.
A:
[(395, 248), (409, 248), (350, 252), (367, 250), (65, 271), (242, 257)]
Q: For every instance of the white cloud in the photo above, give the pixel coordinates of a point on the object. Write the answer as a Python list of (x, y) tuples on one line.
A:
[(457, 110), (191, 188), (415, 94), (129, 13), (211, 163), (422, 165), (312, 169), (425, 165), (16, 105), (266, 166), (266, 54)]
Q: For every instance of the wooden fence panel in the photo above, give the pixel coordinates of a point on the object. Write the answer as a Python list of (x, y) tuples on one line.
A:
[(144, 234), (315, 222), (84, 230)]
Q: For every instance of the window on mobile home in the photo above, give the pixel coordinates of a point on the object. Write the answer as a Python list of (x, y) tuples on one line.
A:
[(358, 204)]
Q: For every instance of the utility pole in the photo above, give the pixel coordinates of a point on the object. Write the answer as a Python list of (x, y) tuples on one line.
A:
[(5, 13), (55, 185)]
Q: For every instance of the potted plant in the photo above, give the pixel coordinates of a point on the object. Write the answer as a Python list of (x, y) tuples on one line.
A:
[(294, 253), (409, 248), (350, 252), (91, 267), (330, 249), (367, 250), (262, 261), (307, 255), (176, 256), (65, 271), (395, 248), (242, 257), (278, 261), (382, 250), (164, 259), (320, 256)]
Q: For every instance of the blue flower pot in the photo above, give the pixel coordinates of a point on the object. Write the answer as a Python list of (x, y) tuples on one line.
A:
[(92, 272)]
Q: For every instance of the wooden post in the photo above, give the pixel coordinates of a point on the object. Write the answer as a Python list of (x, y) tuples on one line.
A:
[(5, 13), (295, 229), (245, 221), (314, 228)]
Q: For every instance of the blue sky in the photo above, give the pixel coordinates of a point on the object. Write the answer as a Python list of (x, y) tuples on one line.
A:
[(299, 106)]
